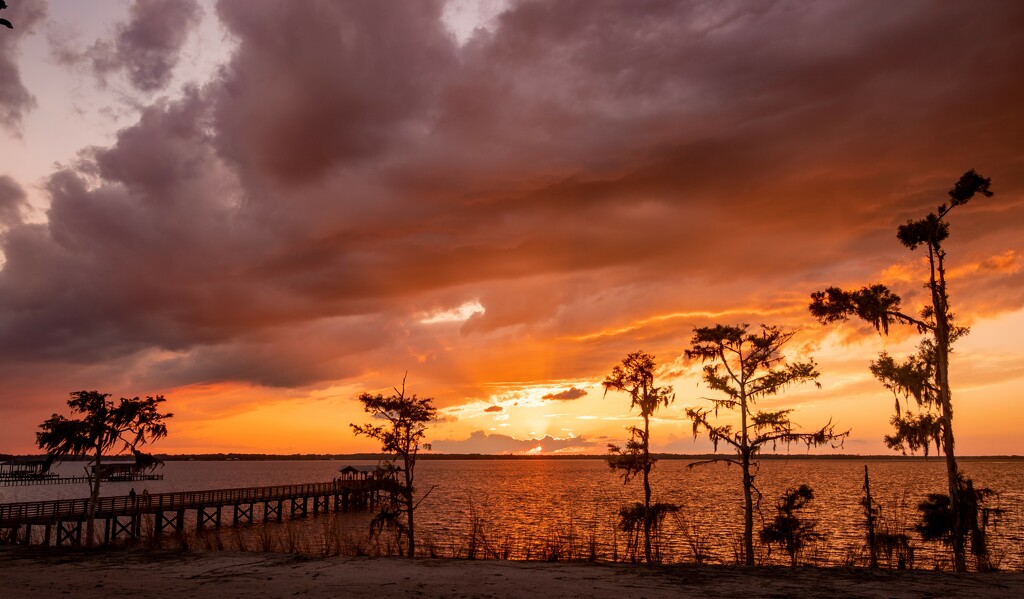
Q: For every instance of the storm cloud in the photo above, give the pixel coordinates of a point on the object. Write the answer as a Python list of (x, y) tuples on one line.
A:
[(12, 202), (145, 48), (592, 174), (15, 99)]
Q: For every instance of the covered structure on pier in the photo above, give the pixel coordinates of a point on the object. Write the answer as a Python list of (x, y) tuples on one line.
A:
[(25, 468), (363, 472), (124, 468)]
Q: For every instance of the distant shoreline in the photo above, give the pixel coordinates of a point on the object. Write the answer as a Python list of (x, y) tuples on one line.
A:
[(478, 456)]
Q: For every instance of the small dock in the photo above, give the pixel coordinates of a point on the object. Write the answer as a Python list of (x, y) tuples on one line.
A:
[(36, 471), (62, 521), (67, 480)]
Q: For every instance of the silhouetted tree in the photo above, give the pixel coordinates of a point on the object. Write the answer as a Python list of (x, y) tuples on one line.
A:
[(401, 438), (99, 427), (747, 367), (635, 376), (788, 530), (923, 376)]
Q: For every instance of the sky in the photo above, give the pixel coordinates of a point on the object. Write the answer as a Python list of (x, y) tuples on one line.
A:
[(261, 209)]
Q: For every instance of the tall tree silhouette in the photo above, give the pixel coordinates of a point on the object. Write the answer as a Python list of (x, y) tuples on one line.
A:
[(746, 367), (401, 437), (923, 376), (103, 428), (635, 377)]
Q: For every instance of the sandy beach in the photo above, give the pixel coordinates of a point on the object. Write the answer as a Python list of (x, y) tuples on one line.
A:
[(222, 575)]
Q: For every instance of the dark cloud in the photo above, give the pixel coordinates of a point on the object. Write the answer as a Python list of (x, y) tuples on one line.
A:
[(321, 85), (12, 201), (483, 442), (494, 409), (15, 99), (146, 47), (570, 393), (584, 171)]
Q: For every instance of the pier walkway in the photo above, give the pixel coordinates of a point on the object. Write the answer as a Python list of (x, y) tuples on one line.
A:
[(62, 521)]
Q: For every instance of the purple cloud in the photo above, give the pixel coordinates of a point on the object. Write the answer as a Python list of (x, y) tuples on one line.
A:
[(146, 47), (15, 99), (353, 166), (568, 394), (12, 201), (494, 443)]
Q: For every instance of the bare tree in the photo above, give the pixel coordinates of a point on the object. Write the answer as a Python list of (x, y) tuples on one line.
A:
[(401, 437), (746, 367), (101, 429), (923, 376), (635, 376)]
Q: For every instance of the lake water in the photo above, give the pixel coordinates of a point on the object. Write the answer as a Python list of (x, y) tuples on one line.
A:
[(540, 508)]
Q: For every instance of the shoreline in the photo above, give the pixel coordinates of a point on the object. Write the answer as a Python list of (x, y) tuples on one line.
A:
[(37, 572), (273, 457)]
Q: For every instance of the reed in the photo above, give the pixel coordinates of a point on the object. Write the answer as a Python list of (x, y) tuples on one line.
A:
[(697, 539), (476, 540)]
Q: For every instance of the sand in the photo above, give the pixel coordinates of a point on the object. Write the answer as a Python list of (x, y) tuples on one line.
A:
[(35, 572)]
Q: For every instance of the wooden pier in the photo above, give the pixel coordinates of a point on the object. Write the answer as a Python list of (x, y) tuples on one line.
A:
[(62, 521)]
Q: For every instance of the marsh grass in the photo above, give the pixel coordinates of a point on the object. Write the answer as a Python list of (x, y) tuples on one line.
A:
[(697, 539)]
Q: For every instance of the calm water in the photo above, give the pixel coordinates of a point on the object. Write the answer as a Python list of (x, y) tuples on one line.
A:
[(538, 507)]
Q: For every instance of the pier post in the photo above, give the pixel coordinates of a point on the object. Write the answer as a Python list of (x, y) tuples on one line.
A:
[(272, 511), (299, 505), (242, 514), (69, 531)]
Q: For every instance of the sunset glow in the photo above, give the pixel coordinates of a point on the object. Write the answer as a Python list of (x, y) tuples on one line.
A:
[(262, 209)]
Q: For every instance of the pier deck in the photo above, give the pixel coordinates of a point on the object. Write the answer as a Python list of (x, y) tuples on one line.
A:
[(121, 516)]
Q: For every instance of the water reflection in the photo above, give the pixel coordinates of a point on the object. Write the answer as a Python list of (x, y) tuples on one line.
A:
[(533, 508)]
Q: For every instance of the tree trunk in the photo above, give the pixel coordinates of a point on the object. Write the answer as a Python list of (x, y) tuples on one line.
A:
[(942, 333), (748, 481), (647, 491), (748, 510), (94, 497), (952, 474), (409, 509)]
